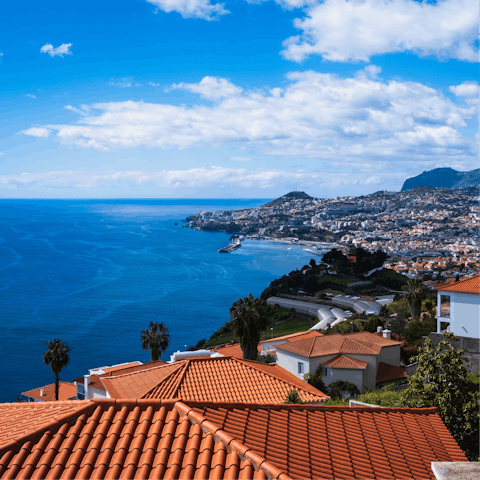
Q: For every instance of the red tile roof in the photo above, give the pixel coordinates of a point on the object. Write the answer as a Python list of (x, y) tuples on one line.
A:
[(152, 439), (341, 361), (121, 367), (95, 380), (223, 379), (325, 442), (233, 349), (467, 285), (20, 419), (387, 373), (293, 337), (361, 343), (66, 391)]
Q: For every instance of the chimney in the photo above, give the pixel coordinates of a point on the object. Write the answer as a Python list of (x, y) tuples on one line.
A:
[(387, 334), (379, 329), (86, 383), (41, 392)]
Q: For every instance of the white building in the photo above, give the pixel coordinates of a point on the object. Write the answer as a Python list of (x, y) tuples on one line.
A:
[(362, 358), (458, 307)]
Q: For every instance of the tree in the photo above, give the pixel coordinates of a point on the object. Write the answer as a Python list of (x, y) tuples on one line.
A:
[(249, 318), (293, 398), (316, 378), (156, 340), (414, 293), (342, 389), (56, 357), (372, 323), (442, 381)]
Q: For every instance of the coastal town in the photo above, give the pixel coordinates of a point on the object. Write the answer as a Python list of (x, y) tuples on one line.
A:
[(427, 232)]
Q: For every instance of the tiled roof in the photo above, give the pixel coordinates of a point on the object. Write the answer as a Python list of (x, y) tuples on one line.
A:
[(20, 419), (360, 343), (325, 442), (386, 372), (130, 439), (136, 384), (222, 379), (467, 285), (341, 361), (66, 391), (121, 367), (293, 337), (96, 380), (231, 350), (153, 439)]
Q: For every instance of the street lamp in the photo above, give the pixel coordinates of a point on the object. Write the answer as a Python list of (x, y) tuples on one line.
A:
[(351, 325), (272, 331)]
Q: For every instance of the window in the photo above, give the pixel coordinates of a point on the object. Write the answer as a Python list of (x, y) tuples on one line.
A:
[(80, 396), (300, 368), (325, 371), (445, 306)]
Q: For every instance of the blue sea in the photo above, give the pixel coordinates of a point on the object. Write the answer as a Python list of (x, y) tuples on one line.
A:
[(94, 273)]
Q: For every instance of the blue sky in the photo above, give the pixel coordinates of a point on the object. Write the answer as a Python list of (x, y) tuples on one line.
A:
[(205, 99)]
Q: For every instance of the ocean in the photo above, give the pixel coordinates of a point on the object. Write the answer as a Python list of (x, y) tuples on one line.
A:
[(94, 273)]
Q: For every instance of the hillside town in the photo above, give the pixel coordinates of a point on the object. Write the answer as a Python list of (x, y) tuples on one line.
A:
[(426, 231)]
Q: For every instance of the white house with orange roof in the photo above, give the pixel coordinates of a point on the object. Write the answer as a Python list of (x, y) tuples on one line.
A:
[(458, 305), (362, 358)]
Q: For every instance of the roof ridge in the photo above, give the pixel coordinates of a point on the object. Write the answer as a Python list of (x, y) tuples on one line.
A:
[(183, 364), (146, 370), (232, 444)]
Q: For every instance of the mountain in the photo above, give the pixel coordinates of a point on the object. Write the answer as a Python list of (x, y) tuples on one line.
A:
[(445, 178), (288, 197)]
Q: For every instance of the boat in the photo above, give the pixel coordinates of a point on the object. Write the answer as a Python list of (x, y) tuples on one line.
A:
[(309, 250)]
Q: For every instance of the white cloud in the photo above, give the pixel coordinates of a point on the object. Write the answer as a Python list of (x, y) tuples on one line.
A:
[(468, 90), (355, 30), (194, 178), (63, 49), (38, 132), (192, 8), (30, 95), (84, 110), (211, 88), (317, 116), (240, 159), (1, 55)]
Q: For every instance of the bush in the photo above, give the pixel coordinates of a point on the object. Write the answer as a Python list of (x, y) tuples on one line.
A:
[(343, 390), (372, 323), (293, 398), (316, 378)]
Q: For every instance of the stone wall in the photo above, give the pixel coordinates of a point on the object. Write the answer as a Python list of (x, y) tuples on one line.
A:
[(469, 345)]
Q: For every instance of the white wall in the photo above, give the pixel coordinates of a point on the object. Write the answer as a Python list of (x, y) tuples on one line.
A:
[(289, 361), (268, 345), (390, 355), (347, 375), (370, 373), (464, 310)]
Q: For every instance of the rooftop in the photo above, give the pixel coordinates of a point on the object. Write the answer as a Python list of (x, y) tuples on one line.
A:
[(341, 361), (224, 379), (362, 343), (66, 391), (467, 285), (293, 337), (174, 439)]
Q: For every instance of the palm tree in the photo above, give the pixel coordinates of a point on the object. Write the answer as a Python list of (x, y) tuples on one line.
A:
[(57, 358), (414, 293), (249, 319), (156, 340)]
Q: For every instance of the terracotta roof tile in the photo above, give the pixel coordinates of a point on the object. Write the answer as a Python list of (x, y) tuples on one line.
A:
[(341, 442), (386, 372), (293, 337), (360, 343), (222, 379), (341, 361), (232, 349), (66, 391), (466, 285), (106, 441)]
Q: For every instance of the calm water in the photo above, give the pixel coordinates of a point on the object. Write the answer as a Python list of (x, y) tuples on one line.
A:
[(95, 273)]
